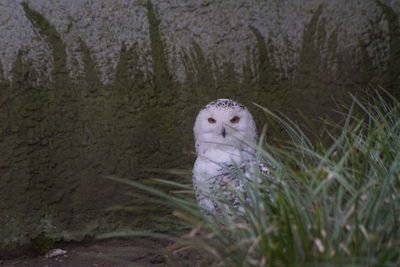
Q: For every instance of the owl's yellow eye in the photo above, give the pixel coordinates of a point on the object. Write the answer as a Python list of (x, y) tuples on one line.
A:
[(211, 120), (235, 119)]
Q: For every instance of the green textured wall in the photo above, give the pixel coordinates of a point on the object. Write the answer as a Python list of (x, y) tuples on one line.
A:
[(60, 136)]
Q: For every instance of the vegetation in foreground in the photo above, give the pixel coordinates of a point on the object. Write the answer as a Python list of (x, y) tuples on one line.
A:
[(325, 205)]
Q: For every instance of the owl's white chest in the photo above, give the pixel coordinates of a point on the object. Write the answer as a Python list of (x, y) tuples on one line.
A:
[(212, 166), (212, 160)]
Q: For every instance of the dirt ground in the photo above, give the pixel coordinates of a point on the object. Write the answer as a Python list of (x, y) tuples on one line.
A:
[(113, 253)]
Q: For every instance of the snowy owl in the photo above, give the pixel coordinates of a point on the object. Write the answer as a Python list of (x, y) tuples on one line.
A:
[(223, 131)]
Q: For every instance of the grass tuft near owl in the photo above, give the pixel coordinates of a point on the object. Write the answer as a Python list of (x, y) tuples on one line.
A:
[(223, 132)]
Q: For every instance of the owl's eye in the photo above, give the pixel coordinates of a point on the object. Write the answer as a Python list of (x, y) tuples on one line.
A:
[(235, 119), (211, 120)]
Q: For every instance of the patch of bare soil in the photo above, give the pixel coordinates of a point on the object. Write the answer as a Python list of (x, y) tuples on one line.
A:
[(113, 253)]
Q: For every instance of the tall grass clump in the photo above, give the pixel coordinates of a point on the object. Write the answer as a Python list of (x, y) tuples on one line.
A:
[(330, 200)]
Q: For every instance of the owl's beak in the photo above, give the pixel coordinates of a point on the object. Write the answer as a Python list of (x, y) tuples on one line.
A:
[(223, 132)]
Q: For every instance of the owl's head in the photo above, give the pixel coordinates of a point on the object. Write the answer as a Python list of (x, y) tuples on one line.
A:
[(226, 122)]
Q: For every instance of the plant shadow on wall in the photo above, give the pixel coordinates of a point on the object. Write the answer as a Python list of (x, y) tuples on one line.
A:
[(322, 205), (60, 136)]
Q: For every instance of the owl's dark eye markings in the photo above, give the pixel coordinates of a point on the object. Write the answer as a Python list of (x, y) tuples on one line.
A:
[(211, 120), (235, 119)]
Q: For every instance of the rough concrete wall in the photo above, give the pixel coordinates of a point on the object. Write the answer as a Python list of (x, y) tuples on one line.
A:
[(94, 88)]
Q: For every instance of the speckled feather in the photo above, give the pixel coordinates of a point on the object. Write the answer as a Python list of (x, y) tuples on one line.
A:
[(227, 185), (224, 103)]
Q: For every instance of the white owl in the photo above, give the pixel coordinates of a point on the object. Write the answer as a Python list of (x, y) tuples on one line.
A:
[(223, 131)]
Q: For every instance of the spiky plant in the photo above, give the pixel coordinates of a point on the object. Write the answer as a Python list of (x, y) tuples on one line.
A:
[(323, 205)]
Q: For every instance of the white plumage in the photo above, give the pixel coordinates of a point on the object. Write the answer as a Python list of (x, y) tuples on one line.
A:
[(223, 131)]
